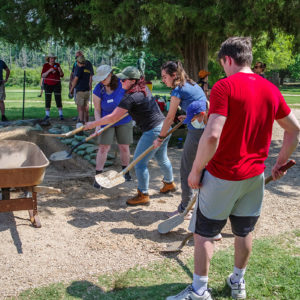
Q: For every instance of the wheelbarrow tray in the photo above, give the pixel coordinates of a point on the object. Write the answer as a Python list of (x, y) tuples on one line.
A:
[(21, 164)]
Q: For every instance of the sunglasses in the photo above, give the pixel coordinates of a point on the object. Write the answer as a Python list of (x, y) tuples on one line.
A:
[(256, 67)]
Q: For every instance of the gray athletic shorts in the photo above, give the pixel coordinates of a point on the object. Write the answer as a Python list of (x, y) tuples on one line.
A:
[(219, 199), (123, 134)]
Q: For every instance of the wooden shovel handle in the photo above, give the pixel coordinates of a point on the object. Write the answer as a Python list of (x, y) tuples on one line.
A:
[(147, 151), (283, 168), (70, 133), (98, 132)]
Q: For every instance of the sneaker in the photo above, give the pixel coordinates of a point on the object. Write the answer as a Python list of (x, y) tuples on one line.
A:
[(97, 186), (46, 118), (61, 117), (39, 96), (139, 199), (127, 176), (189, 294), (238, 290), (4, 119), (168, 187), (188, 216)]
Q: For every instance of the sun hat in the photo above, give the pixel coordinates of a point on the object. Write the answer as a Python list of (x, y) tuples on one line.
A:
[(102, 72), (49, 55), (195, 108), (203, 73), (80, 59), (130, 73)]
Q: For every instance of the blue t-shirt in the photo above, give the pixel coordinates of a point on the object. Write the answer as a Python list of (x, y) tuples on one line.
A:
[(83, 83), (187, 94), (3, 66), (110, 101)]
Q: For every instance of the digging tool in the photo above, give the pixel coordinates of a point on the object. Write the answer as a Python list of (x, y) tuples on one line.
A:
[(178, 245), (63, 155), (112, 178), (169, 224), (64, 135)]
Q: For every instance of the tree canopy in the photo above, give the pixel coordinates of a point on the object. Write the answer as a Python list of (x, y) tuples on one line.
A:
[(188, 29)]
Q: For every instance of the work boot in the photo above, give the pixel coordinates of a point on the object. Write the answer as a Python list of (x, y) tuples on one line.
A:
[(139, 199), (168, 187), (4, 119)]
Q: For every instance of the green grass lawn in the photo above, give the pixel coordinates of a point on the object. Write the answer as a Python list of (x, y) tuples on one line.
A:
[(273, 273), (34, 106)]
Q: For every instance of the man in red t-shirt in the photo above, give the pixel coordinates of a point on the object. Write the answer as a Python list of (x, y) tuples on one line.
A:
[(232, 149)]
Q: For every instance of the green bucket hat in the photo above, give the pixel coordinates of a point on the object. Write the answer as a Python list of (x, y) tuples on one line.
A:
[(129, 73)]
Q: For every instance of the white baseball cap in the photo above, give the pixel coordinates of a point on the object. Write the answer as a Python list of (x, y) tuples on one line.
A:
[(102, 72)]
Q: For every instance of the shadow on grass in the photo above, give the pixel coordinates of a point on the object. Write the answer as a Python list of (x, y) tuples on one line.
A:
[(87, 290)]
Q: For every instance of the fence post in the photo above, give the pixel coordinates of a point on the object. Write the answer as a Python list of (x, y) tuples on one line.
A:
[(24, 81), (91, 100)]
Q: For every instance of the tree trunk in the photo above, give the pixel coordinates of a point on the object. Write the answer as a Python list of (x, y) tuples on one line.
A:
[(195, 55)]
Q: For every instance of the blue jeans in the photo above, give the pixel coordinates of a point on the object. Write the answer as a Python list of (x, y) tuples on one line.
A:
[(161, 155)]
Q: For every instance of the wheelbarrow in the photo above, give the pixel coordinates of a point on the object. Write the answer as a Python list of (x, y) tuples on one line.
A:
[(22, 167)]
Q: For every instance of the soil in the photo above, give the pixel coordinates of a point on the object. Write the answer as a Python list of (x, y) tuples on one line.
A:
[(86, 232)]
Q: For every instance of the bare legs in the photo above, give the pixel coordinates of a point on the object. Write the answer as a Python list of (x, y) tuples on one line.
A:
[(204, 249), (102, 155), (2, 108)]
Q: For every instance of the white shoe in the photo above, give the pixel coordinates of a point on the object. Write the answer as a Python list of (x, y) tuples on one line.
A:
[(238, 290), (188, 216), (189, 294)]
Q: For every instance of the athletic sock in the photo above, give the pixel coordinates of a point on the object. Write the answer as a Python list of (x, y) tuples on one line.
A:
[(47, 113), (99, 172), (60, 112), (199, 284), (237, 275)]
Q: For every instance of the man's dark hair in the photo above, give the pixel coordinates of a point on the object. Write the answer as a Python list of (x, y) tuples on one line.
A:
[(239, 48)]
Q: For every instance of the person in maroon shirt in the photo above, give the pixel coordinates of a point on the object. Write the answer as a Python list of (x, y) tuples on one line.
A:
[(52, 73), (232, 149)]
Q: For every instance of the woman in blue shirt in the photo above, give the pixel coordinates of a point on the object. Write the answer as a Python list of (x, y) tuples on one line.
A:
[(184, 92), (106, 97)]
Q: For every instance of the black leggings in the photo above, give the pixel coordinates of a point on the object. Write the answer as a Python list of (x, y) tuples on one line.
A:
[(56, 89)]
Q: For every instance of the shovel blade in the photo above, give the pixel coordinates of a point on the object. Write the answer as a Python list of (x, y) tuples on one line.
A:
[(61, 155), (167, 225), (110, 179)]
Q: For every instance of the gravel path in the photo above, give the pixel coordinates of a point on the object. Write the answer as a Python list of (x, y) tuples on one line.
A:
[(86, 233)]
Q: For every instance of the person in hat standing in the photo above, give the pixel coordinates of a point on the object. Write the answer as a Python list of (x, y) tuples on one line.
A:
[(145, 112), (185, 91), (203, 81), (259, 68), (52, 73), (89, 66), (3, 66), (107, 95), (81, 82)]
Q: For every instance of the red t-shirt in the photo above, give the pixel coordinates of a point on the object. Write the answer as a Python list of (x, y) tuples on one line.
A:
[(251, 104), (52, 78)]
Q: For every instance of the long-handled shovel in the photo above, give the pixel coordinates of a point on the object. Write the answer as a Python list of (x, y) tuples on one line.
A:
[(64, 135), (112, 178), (63, 155), (169, 224), (178, 245)]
